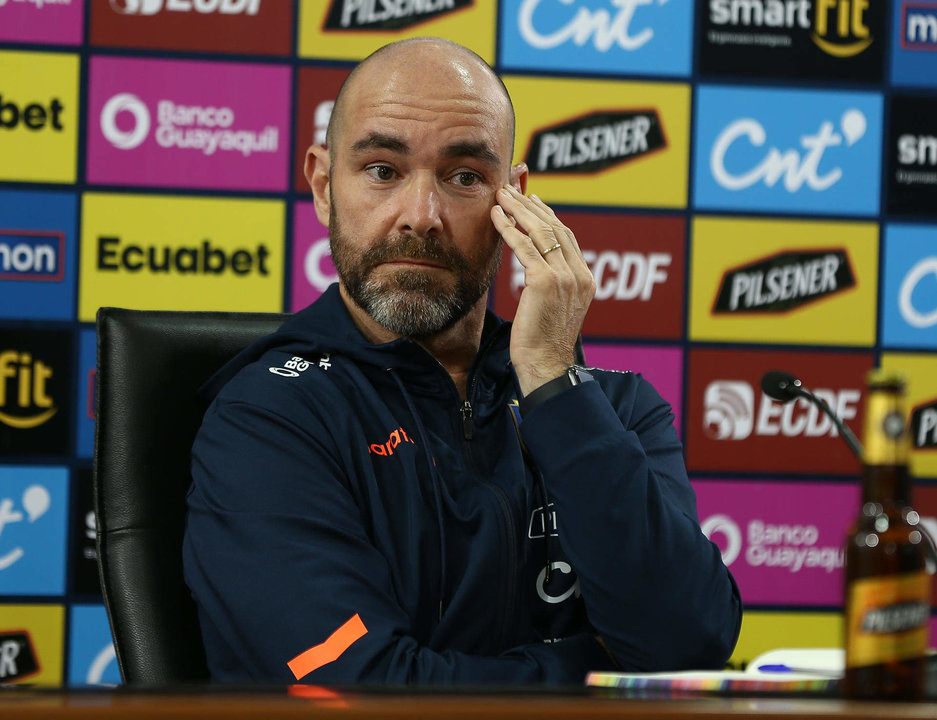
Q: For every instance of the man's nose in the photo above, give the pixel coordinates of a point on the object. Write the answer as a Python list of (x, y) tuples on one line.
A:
[(421, 207)]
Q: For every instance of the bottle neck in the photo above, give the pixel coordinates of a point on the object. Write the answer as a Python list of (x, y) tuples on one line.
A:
[(885, 474)]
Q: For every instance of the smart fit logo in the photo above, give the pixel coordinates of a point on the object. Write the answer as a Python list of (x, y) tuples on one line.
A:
[(24, 397), (840, 27)]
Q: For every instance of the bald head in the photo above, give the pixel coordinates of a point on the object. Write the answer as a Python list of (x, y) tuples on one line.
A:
[(417, 62)]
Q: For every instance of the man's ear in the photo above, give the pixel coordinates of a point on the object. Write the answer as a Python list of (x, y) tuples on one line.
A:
[(519, 175), (316, 169)]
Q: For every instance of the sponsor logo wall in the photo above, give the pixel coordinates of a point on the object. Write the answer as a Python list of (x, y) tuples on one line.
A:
[(753, 184)]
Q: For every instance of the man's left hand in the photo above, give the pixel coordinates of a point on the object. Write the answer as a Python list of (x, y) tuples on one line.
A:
[(559, 287)]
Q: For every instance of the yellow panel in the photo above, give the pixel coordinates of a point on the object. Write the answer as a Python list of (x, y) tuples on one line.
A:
[(38, 116), (919, 369), (763, 631), (472, 26), (845, 316), (45, 625), (223, 254), (655, 179)]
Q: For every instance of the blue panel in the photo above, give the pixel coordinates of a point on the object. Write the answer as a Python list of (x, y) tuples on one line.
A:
[(37, 255), (33, 512), (87, 360), (909, 286), (597, 36), (91, 658), (788, 151)]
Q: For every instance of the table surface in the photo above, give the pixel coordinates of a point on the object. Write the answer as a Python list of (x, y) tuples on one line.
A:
[(316, 702)]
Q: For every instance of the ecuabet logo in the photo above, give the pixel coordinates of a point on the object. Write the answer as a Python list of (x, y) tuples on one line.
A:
[(646, 36), (152, 7), (788, 150), (32, 255), (595, 142)]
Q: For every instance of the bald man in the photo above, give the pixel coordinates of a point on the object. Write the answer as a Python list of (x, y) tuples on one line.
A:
[(399, 487)]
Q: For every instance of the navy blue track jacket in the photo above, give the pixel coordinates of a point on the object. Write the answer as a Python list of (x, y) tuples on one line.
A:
[(352, 519)]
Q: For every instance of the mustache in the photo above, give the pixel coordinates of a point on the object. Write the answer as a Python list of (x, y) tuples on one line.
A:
[(418, 248)]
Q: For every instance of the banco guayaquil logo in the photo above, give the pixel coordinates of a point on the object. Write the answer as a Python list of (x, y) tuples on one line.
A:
[(126, 122), (595, 142), (381, 15)]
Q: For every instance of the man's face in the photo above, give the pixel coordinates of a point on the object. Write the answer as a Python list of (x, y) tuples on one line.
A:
[(414, 169)]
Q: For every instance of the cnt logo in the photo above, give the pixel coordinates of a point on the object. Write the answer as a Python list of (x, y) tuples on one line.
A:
[(618, 275), (797, 167), (791, 547), (152, 7), (918, 25), (913, 315), (35, 501), (24, 398), (32, 255), (382, 15), (546, 24), (207, 129), (786, 281), (731, 411), (595, 142), (18, 657)]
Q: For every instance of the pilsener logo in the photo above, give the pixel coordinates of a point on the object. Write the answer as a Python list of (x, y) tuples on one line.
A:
[(17, 656), (919, 25), (595, 142), (24, 399), (152, 7), (383, 15), (31, 255), (730, 412), (784, 282), (189, 127), (923, 426)]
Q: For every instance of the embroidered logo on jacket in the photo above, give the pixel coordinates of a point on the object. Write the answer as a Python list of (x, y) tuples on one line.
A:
[(396, 437), (291, 368)]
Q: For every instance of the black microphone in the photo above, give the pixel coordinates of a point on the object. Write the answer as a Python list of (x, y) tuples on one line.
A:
[(784, 387)]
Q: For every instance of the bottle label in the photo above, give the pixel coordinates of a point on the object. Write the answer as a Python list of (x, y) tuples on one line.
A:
[(887, 618)]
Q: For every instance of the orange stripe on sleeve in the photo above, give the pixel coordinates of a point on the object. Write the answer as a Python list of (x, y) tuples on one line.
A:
[(329, 651)]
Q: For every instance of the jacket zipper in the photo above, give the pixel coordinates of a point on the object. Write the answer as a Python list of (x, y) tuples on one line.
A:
[(468, 427)]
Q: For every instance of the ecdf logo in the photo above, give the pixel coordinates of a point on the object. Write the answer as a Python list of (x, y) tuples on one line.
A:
[(152, 7), (187, 127), (31, 255), (730, 412), (24, 387), (796, 167)]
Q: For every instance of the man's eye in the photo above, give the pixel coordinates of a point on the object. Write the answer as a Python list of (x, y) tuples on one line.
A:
[(381, 172), (467, 179)]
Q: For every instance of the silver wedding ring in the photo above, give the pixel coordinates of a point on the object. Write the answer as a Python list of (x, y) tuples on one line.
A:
[(550, 249)]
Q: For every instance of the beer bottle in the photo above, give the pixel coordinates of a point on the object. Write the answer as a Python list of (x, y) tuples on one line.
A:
[(887, 587)]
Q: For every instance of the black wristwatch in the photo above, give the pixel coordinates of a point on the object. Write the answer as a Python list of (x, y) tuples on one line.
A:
[(575, 375)]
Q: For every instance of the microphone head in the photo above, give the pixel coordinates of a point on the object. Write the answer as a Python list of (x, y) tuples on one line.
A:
[(781, 386)]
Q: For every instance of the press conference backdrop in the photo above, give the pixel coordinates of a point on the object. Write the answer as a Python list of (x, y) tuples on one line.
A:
[(753, 183)]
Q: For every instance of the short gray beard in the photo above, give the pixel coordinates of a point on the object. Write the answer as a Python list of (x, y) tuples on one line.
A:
[(411, 303)]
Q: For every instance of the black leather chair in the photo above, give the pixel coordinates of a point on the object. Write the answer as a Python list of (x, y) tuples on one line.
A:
[(150, 365)]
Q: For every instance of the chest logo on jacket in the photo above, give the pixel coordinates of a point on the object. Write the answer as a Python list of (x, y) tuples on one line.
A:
[(397, 437)]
